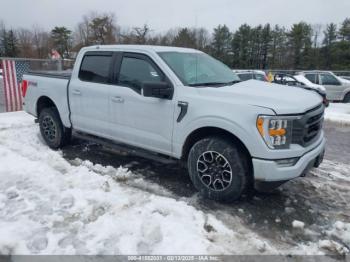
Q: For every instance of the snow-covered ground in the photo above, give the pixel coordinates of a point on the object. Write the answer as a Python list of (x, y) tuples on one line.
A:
[(49, 205), (339, 113)]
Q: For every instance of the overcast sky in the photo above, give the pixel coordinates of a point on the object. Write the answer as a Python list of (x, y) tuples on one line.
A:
[(161, 15)]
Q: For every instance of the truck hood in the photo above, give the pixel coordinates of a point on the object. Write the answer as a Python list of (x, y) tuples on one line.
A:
[(281, 99)]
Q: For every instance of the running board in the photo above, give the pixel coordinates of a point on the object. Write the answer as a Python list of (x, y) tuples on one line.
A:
[(126, 148)]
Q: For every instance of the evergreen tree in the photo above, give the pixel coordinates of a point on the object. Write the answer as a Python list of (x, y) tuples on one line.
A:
[(61, 38), (300, 44), (266, 45), (344, 31), (330, 36), (221, 45), (241, 46), (185, 38), (9, 44)]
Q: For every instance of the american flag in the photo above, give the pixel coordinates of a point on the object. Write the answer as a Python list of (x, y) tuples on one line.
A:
[(12, 72)]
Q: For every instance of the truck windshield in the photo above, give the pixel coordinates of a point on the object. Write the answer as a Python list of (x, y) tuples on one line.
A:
[(199, 69)]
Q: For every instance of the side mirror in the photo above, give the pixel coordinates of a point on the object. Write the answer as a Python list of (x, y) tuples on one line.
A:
[(157, 89)]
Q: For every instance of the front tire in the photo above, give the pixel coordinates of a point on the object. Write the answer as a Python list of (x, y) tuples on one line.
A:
[(52, 129), (347, 98), (218, 169)]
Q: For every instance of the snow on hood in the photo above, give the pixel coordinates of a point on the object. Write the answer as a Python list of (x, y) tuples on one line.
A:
[(281, 99), (344, 81), (308, 83)]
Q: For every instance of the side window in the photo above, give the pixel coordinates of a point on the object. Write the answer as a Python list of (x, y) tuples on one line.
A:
[(95, 68), (311, 77), (260, 77), (327, 79), (245, 76), (134, 71)]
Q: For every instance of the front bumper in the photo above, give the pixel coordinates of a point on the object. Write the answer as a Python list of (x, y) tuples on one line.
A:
[(270, 171)]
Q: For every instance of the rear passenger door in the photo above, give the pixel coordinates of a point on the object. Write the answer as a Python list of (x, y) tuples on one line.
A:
[(145, 122), (89, 93)]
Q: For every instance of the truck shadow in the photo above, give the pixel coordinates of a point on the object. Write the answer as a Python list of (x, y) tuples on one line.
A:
[(270, 215)]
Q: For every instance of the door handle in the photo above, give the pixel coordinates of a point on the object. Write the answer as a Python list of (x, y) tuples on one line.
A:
[(76, 92), (117, 99)]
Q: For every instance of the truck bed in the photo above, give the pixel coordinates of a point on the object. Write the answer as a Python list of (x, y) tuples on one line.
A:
[(48, 85)]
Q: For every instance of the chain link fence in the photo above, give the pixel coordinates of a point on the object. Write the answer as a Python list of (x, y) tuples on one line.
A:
[(45, 64), (36, 65)]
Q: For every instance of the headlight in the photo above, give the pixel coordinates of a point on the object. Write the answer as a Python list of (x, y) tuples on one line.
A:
[(276, 131)]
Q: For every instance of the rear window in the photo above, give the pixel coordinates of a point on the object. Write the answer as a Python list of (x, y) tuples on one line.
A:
[(245, 76), (95, 68)]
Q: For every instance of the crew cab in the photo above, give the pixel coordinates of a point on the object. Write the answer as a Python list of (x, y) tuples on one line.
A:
[(179, 104)]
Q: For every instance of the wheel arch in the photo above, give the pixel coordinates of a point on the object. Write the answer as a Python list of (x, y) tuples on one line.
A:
[(203, 132), (44, 102), (346, 93)]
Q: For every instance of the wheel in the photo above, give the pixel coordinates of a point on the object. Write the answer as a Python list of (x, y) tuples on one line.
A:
[(218, 169), (347, 98), (52, 129)]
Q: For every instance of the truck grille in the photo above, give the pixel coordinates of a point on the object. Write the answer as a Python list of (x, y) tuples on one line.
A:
[(308, 127)]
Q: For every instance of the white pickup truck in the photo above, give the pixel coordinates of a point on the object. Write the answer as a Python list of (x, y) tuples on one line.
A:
[(180, 104)]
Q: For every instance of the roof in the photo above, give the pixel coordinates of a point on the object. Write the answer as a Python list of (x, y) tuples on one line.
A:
[(153, 48), (242, 71)]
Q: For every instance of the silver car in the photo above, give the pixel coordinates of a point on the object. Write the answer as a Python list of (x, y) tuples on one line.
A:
[(337, 89)]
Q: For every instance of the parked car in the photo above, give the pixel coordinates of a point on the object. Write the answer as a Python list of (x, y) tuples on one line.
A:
[(301, 82), (337, 89), (245, 75), (177, 104)]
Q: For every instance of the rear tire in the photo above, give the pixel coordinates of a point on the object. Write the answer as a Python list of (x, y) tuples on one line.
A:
[(52, 129), (347, 98), (218, 169)]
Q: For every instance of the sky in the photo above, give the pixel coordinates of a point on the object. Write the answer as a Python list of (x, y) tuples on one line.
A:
[(161, 15)]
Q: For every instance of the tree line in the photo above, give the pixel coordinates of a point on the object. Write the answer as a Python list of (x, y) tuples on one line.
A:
[(303, 46)]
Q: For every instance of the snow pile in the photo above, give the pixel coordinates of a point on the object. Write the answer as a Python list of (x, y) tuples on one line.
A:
[(298, 224), (341, 231), (339, 113), (51, 206)]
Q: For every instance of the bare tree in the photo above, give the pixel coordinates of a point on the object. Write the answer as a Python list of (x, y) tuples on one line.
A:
[(83, 32), (202, 38), (25, 41), (96, 28), (41, 42), (141, 34), (103, 29)]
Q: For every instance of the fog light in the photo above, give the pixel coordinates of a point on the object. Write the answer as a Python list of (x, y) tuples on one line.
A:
[(287, 162)]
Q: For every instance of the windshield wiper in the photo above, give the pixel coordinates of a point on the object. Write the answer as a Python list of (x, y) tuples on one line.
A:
[(216, 84)]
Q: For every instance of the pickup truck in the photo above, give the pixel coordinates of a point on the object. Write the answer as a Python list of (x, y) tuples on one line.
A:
[(179, 104)]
